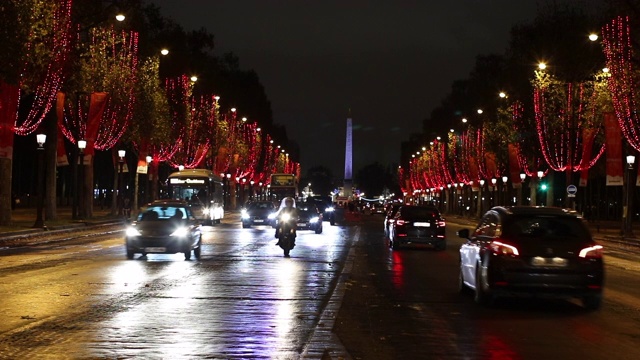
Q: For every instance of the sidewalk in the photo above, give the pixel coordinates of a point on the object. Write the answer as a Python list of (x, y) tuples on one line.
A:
[(23, 219)]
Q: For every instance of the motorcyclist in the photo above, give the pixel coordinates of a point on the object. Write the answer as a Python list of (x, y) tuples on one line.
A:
[(287, 206)]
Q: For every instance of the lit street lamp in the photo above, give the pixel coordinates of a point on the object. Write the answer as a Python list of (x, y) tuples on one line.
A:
[(627, 211), (523, 176), (121, 154), (82, 206), (40, 139), (493, 191), (505, 190), (146, 190)]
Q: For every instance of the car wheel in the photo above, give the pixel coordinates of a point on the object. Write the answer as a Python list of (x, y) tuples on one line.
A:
[(482, 296), (244, 225), (197, 251), (462, 288), (592, 302), (130, 254)]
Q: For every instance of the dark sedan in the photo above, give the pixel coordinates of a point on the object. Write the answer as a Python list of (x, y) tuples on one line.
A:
[(165, 227), (531, 251), (309, 217), (325, 204), (258, 213), (417, 225)]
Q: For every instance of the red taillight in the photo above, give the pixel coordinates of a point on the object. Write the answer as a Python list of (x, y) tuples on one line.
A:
[(441, 223), (401, 222), (500, 248), (592, 252)]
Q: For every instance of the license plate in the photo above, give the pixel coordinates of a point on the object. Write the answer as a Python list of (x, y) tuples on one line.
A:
[(422, 224), (554, 262), (258, 221), (302, 224), (155, 249)]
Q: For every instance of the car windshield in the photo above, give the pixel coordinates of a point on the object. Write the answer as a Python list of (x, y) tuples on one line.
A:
[(156, 213), (261, 205), (554, 227), (416, 212)]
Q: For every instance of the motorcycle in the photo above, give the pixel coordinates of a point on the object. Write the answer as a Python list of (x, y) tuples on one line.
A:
[(286, 233)]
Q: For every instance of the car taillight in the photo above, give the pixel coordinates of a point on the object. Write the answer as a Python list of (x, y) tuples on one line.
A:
[(591, 252), (441, 223), (500, 248), (401, 222)]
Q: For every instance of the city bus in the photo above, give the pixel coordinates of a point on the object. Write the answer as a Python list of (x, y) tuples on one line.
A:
[(202, 189), (283, 185)]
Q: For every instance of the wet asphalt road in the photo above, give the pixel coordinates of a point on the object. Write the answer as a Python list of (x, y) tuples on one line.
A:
[(242, 299), (342, 294)]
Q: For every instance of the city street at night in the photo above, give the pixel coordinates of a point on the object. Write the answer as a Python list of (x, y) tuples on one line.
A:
[(343, 294)]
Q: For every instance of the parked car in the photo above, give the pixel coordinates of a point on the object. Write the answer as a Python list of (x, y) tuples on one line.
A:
[(258, 213), (327, 208), (309, 217), (417, 225), (166, 227), (534, 251), (388, 217)]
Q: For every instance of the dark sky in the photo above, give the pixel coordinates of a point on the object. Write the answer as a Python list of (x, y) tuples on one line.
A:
[(390, 62)]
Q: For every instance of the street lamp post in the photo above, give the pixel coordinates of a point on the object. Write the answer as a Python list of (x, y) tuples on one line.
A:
[(147, 196), (480, 199), (627, 211), (40, 138), (505, 191), (540, 176), (493, 191), (82, 206), (522, 177), (121, 154)]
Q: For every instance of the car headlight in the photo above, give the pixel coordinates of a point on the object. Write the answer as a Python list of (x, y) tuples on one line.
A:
[(206, 211), (272, 216), (244, 214), (180, 232), (314, 219), (131, 231), (329, 209)]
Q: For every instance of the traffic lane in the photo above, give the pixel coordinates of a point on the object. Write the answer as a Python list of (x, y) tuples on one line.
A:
[(406, 304), (242, 299)]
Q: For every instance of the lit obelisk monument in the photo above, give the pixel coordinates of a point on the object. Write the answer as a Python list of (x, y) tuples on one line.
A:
[(348, 165)]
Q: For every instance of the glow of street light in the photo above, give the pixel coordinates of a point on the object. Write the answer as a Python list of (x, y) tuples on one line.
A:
[(593, 37), (542, 66), (502, 94), (244, 119), (194, 78), (464, 120), (233, 109), (480, 111), (120, 17), (217, 98), (164, 52), (605, 70)]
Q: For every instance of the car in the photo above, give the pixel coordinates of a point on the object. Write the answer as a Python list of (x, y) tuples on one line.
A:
[(415, 224), (258, 213), (531, 251), (378, 208), (165, 227), (327, 208), (388, 217), (309, 217)]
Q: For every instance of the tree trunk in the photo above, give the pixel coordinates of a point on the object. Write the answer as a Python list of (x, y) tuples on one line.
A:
[(134, 206), (5, 191), (50, 153)]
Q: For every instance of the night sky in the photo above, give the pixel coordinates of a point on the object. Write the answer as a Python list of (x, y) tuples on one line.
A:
[(390, 62)]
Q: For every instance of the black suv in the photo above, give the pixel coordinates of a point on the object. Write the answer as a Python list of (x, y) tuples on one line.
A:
[(325, 205), (535, 251)]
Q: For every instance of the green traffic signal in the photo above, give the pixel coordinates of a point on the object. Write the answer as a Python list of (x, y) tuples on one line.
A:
[(543, 187)]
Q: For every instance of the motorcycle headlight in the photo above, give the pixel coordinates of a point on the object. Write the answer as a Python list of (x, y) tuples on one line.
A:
[(180, 232), (131, 231), (285, 217)]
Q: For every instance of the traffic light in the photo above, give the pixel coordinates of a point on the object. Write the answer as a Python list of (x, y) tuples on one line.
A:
[(543, 187)]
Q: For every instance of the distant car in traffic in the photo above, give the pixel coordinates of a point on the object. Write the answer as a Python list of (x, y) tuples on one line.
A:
[(414, 224), (309, 217), (327, 208), (165, 227), (533, 251), (258, 213)]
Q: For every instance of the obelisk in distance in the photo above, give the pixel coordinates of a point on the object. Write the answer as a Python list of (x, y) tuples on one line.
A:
[(348, 157)]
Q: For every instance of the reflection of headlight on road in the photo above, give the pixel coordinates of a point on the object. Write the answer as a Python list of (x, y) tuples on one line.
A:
[(329, 209), (131, 231), (314, 219), (180, 232)]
